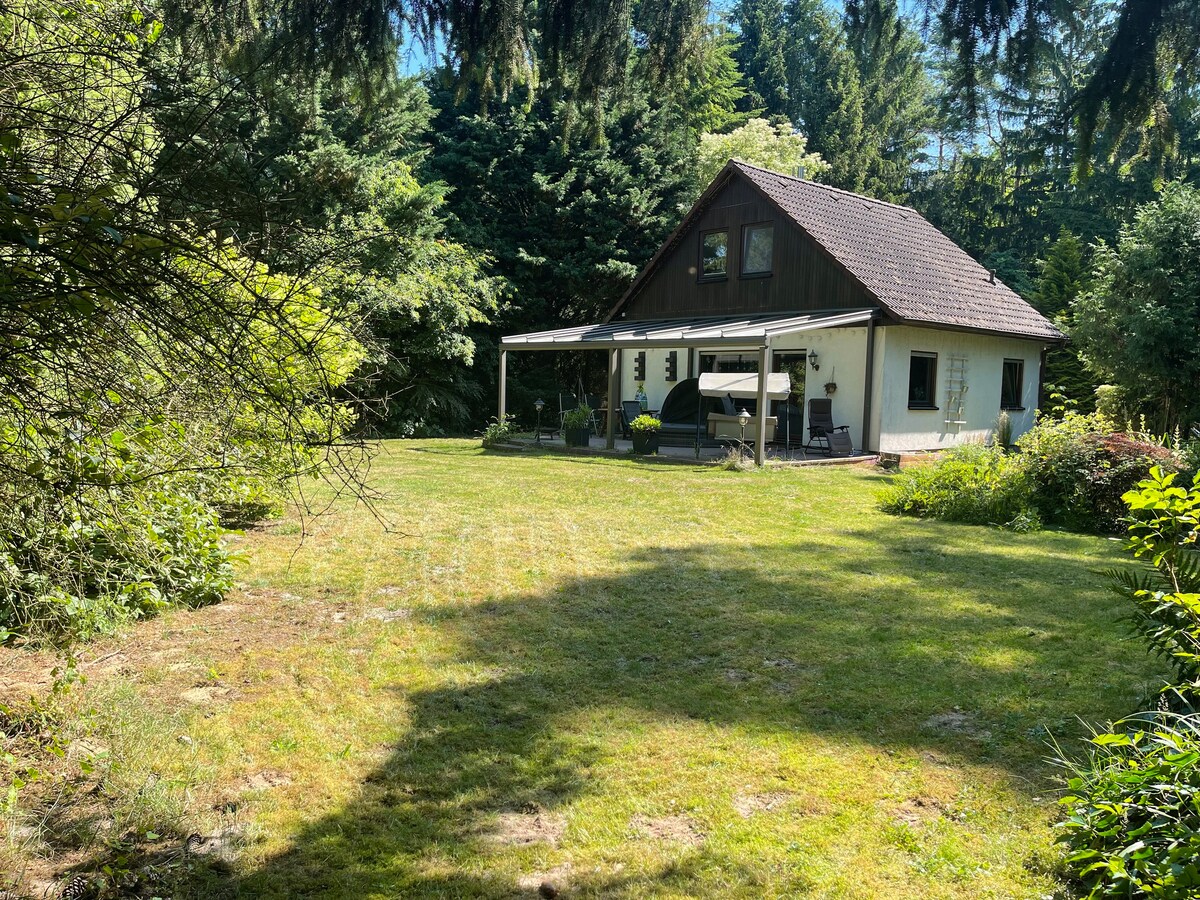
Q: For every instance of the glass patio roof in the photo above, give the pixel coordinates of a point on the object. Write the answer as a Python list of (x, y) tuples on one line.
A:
[(706, 331)]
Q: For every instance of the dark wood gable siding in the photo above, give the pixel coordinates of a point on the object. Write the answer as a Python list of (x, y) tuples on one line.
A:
[(804, 277)]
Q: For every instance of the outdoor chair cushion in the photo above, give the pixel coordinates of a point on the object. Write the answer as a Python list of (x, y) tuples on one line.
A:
[(839, 443)]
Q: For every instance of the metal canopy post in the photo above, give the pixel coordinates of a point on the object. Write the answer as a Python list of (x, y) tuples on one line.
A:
[(614, 381), (869, 380), (764, 367), (503, 385)]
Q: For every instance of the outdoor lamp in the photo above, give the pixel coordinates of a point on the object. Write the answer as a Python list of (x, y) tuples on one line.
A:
[(743, 420), (539, 405), (812, 361)]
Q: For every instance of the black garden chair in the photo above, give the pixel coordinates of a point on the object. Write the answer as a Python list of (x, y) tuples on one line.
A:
[(821, 429)]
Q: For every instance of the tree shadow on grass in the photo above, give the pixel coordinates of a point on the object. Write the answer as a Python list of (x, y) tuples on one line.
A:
[(766, 640)]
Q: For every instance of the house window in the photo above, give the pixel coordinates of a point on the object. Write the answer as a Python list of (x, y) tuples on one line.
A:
[(714, 253), (757, 245), (922, 379), (728, 362), (1012, 384)]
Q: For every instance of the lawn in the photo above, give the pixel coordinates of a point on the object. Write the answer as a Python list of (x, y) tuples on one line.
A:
[(630, 679)]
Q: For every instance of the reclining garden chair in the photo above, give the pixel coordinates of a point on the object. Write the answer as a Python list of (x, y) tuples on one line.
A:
[(821, 428)]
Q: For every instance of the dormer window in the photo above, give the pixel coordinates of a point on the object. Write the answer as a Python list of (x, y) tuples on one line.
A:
[(714, 255), (757, 249)]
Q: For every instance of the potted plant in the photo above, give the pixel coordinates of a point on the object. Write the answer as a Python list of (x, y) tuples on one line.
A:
[(645, 434), (640, 396), (831, 384), (577, 426)]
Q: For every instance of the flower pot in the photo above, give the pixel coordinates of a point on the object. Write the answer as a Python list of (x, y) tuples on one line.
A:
[(645, 442), (577, 437)]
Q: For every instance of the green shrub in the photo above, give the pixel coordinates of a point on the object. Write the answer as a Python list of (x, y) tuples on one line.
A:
[(1163, 521), (1134, 823), (974, 484), (82, 567), (1080, 469), (93, 533), (1133, 828), (498, 431)]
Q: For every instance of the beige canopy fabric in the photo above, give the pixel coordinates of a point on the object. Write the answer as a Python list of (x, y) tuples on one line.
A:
[(744, 385)]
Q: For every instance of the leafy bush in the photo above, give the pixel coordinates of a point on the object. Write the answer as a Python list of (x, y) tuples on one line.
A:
[(644, 423), (119, 546), (1163, 521), (1080, 469), (1134, 823), (974, 484), (498, 431)]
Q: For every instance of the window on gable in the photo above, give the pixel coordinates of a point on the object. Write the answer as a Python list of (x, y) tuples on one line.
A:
[(714, 254), (1012, 384), (922, 380), (757, 246)]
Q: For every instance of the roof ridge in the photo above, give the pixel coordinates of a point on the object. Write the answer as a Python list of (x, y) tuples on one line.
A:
[(825, 187)]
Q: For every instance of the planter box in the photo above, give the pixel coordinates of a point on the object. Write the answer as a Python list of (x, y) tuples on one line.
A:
[(645, 442), (577, 437)]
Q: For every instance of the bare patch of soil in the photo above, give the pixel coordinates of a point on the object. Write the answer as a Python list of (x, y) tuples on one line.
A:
[(262, 781), (749, 804), (918, 810), (516, 829), (957, 722), (223, 844), (781, 663), (204, 694), (677, 829), (388, 615)]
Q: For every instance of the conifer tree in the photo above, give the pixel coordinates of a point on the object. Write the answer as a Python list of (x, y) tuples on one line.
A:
[(1063, 278), (762, 54)]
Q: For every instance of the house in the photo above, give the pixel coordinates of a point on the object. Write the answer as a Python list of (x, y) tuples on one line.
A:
[(917, 345)]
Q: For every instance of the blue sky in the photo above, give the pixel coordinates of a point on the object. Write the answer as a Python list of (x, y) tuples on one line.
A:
[(414, 59)]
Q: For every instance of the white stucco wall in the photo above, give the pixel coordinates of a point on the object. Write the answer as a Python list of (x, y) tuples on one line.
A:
[(841, 355), (657, 386), (903, 429)]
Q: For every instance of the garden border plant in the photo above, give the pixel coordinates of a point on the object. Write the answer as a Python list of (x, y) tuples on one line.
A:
[(1133, 828), (1070, 471)]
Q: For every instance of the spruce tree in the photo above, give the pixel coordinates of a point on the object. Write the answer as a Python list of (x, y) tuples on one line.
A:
[(897, 112), (1063, 278), (826, 99), (762, 54)]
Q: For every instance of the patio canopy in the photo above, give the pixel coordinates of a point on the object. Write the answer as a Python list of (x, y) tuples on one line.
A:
[(743, 386), (707, 331)]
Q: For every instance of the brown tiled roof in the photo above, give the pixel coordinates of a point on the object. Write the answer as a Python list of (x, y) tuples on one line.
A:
[(916, 272)]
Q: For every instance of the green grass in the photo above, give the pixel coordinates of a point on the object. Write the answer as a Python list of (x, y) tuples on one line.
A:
[(709, 684)]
